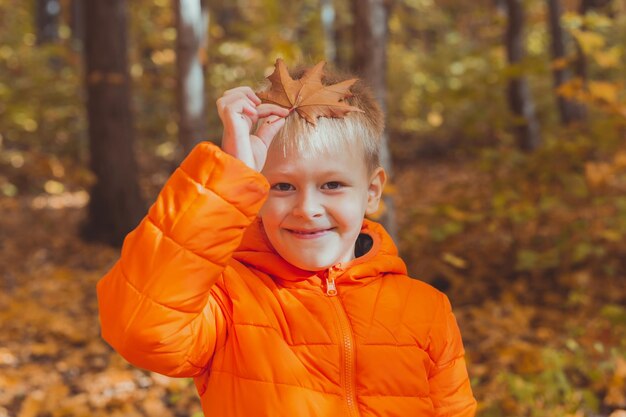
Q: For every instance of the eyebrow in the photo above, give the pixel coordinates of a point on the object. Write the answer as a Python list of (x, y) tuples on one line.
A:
[(290, 173)]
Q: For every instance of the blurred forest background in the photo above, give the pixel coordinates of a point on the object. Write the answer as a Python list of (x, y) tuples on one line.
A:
[(506, 137)]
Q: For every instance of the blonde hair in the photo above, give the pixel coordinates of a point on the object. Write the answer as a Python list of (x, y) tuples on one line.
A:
[(362, 131)]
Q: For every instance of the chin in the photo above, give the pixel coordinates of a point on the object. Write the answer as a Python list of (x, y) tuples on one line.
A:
[(314, 267), (311, 265)]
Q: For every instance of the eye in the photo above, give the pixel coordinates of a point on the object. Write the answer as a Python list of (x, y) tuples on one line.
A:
[(283, 186), (332, 185)]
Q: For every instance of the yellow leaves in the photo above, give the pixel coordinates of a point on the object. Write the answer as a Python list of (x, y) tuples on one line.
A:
[(53, 400), (588, 41), (594, 23), (166, 150), (60, 200), (455, 213), (104, 387), (29, 39), (153, 406), (25, 120), (597, 21), (6, 52), (390, 189), (524, 357), (598, 174), (611, 236), (53, 187), (286, 48), (169, 34), (136, 71), (571, 89), (606, 95), (7, 188), (47, 349), (45, 322), (610, 58), (619, 161), (32, 404), (609, 96), (454, 260), (560, 63), (434, 118), (56, 167), (616, 394), (65, 32), (163, 57), (572, 20), (606, 91), (7, 358), (603, 174)]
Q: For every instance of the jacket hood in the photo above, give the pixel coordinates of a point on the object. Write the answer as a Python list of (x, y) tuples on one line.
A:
[(256, 251)]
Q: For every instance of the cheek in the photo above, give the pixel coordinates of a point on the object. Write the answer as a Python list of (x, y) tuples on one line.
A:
[(350, 209), (272, 210), (266, 209)]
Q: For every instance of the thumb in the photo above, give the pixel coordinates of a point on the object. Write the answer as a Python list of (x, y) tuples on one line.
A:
[(268, 129)]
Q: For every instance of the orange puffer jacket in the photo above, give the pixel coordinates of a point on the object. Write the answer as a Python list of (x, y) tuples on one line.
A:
[(199, 292)]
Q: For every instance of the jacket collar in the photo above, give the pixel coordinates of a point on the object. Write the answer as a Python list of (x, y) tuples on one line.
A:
[(256, 251)]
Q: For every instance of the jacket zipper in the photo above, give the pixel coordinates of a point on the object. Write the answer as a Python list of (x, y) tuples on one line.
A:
[(348, 356)]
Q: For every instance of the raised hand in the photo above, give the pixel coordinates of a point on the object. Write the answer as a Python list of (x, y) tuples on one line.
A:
[(240, 109)]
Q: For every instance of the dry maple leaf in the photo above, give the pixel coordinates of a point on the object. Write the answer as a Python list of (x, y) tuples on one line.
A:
[(307, 95)]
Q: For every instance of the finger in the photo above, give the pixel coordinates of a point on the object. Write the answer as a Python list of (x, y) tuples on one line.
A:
[(245, 91), (232, 99), (241, 89), (250, 110), (268, 129), (239, 105), (268, 109)]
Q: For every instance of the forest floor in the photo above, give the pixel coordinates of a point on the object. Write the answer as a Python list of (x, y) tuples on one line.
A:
[(533, 348)]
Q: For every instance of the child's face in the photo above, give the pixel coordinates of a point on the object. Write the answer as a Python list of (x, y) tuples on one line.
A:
[(316, 205)]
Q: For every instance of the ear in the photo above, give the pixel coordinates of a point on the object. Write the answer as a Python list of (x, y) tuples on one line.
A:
[(375, 190)]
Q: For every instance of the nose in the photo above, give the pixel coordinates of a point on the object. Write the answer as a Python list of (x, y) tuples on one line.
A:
[(308, 204)]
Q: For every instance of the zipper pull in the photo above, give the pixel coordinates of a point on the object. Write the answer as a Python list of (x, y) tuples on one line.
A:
[(331, 288)]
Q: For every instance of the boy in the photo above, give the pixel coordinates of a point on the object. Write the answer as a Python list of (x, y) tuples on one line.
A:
[(255, 272)]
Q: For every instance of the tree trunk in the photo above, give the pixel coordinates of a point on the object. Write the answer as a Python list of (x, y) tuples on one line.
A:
[(76, 20), (520, 101), (500, 6), (47, 13), (115, 206), (343, 42), (327, 16), (192, 20), (370, 62), (569, 111), (227, 15)]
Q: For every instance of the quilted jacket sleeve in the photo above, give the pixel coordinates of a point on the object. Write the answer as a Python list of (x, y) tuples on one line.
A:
[(450, 388), (155, 304)]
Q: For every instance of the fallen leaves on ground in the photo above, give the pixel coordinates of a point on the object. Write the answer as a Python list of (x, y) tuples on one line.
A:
[(52, 359)]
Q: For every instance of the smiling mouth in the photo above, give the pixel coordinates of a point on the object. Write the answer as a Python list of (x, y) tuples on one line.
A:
[(309, 234)]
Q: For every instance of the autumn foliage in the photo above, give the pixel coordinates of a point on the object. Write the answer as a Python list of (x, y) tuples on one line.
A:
[(529, 247)]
